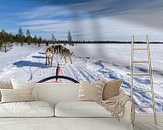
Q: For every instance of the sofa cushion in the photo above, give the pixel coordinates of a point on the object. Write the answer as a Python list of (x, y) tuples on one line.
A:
[(111, 89), (16, 95), (80, 109), (17, 84), (57, 92), (91, 91), (5, 85), (26, 109)]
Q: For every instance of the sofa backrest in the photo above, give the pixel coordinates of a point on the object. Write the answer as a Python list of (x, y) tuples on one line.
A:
[(58, 92)]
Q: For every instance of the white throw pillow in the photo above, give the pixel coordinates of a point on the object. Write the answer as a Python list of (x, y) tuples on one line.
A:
[(17, 84)]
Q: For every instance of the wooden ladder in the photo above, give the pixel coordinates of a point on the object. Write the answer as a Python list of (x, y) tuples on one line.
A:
[(147, 74)]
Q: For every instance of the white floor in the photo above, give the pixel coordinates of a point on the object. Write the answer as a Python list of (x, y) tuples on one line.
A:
[(62, 124), (74, 124), (148, 126)]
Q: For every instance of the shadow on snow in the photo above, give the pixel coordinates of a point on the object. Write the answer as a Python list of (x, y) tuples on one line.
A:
[(39, 57), (29, 64)]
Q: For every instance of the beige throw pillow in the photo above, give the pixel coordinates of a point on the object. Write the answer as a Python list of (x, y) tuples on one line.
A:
[(91, 91), (5, 85), (16, 95), (111, 89)]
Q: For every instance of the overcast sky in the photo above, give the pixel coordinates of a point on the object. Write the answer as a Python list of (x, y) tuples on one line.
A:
[(86, 19)]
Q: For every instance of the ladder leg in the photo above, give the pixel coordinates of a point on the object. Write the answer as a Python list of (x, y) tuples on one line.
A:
[(132, 68), (132, 72), (151, 80), (153, 99)]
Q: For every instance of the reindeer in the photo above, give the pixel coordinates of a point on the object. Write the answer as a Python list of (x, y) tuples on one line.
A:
[(66, 53), (59, 49), (50, 55)]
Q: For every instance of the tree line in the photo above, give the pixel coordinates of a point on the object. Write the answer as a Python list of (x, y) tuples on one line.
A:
[(7, 39)]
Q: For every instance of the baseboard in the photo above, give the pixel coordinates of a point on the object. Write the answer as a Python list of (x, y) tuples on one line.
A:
[(148, 117)]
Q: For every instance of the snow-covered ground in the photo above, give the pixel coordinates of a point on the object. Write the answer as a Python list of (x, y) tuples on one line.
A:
[(90, 62)]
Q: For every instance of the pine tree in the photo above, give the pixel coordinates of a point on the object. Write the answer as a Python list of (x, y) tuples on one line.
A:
[(39, 41), (35, 40), (20, 31), (5, 41), (28, 34), (28, 37), (69, 38), (53, 38), (21, 37)]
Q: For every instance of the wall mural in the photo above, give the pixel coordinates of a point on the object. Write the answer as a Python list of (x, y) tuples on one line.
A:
[(84, 40)]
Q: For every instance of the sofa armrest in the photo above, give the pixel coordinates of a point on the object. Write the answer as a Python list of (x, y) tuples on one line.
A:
[(128, 109), (128, 112), (127, 120)]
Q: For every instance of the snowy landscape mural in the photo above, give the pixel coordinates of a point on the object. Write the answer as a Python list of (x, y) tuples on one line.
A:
[(90, 62), (97, 36)]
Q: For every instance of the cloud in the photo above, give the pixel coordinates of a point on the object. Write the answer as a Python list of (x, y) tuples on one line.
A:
[(45, 12), (99, 20), (134, 11), (39, 22), (151, 18), (77, 10), (62, 2), (108, 28)]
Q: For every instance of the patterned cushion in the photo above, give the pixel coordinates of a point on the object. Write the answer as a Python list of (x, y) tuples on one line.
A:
[(16, 95), (5, 85), (91, 91), (111, 89)]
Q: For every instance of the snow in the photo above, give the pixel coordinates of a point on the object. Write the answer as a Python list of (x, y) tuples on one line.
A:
[(90, 62)]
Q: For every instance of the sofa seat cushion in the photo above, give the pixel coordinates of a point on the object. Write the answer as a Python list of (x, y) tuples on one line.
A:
[(80, 109), (26, 109)]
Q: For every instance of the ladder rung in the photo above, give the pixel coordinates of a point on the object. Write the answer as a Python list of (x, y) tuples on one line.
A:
[(141, 74), (140, 49), (139, 62), (142, 90), (145, 106)]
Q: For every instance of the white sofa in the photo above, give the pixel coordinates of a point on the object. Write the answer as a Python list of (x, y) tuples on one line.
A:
[(58, 102)]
